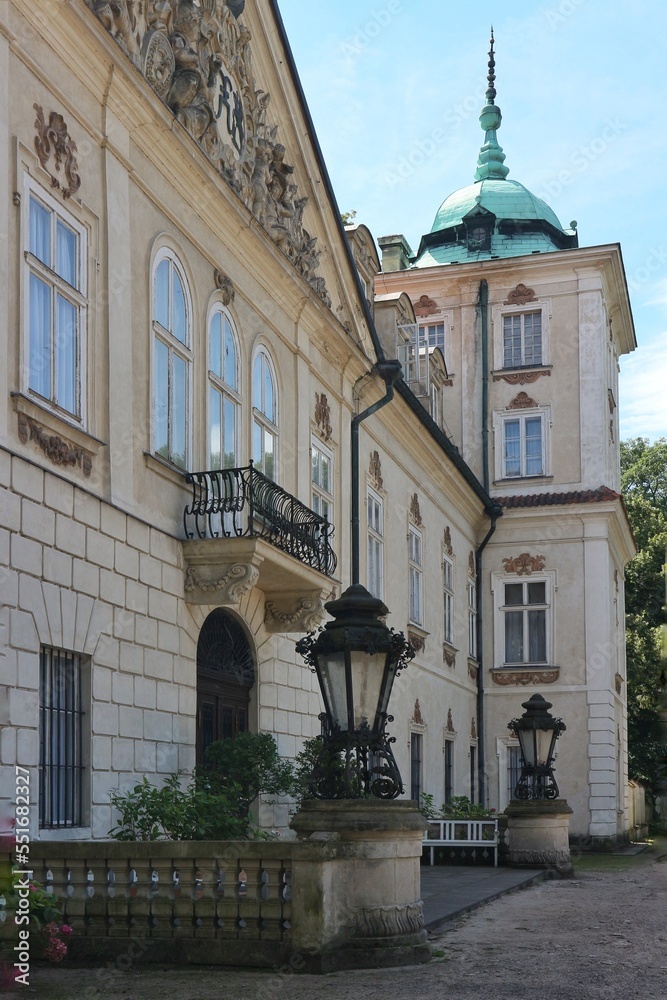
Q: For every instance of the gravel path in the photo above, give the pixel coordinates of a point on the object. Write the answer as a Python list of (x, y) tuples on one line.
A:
[(600, 935)]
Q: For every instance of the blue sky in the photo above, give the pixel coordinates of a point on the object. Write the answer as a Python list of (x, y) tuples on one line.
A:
[(395, 88)]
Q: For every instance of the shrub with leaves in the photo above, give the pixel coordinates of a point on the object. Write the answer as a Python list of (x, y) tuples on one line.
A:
[(458, 807), (244, 767)]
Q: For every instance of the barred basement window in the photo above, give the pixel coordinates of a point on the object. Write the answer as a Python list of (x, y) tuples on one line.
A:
[(60, 739)]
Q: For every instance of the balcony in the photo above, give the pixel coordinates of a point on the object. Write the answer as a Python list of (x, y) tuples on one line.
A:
[(244, 531)]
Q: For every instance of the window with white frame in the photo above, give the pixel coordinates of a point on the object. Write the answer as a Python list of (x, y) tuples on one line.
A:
[(56, 259), (416, 576), (264, 415), (172, 360), (61, 739), (223, 391), (522, 339), (525, 609), (375, 513), (321, 477), (449, 600), (522, 439), (472, 617), (432, 335)]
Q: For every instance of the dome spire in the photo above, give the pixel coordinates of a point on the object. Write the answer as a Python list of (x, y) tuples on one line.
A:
[(491, 160)]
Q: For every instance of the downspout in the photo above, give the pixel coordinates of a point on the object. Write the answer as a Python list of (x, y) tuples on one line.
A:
[(494, 513), (483, 304), (390, 372)]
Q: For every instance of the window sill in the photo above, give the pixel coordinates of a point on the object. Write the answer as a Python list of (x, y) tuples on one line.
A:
[(522, 479), (165, 469), (521, 374), (64, 442), (65, 833)]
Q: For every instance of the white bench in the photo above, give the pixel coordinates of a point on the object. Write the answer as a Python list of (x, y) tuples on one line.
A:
[(462, 833)]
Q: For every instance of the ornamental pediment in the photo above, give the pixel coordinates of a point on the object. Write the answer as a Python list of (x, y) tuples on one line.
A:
[(195, 54)]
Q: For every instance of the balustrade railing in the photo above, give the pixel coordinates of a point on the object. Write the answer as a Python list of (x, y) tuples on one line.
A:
[(236, 503)]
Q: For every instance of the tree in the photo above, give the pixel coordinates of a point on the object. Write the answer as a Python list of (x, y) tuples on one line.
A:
[(644, 485)]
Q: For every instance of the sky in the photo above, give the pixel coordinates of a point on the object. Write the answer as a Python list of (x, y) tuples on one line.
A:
[(395, 88)]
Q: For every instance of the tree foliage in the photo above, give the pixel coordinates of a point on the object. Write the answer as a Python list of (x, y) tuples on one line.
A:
[(644, 484)]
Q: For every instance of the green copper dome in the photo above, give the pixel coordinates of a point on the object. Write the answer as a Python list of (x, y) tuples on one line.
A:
[(493, 217), (506, 199)]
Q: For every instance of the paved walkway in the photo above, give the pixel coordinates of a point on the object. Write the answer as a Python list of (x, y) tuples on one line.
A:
[(450, 890)]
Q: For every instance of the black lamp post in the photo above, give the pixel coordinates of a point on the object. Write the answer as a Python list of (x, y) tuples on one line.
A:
[(537, 732), (356, 658)]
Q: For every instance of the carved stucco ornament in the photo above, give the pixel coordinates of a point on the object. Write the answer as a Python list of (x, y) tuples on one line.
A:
[(448, 541), (520, 378), (449, 657), (472, 671), (524, 565), (471, 563), (520, 295), (417, 716), (524, 678), (415, 512), (390, 921), (450, 722), (323, 415), (57, 450), (418, 642), (195, 54), (522, 402), (225, 285), (375, 470), (425, 306), (304, 616), (473, 729), (54, 140), (229, 588)]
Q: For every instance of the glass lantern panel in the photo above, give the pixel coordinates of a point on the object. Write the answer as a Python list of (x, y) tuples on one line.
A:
[(367, 673), (543, 739), (332, 678)]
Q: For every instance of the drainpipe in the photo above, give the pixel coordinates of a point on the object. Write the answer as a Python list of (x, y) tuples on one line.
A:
[(390, 372), (483, 304), (494, 513)]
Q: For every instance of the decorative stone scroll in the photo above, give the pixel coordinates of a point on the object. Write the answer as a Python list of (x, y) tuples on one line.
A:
[(449, 657), (425, 306), (522, 402), (53, 139), (520, 295), (520, 378), (448, 541), (304, 616), (524, 565), (229, 588), (60, 452), (375, 470), (390, 921), (415, 513), (323, 415), (523, 678), (195, 54)]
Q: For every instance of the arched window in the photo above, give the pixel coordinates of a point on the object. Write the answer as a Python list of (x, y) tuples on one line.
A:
[(223, 392), (264, 415), (172, 360)]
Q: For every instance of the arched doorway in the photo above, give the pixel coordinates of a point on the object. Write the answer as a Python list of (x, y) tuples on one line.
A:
[(225, 675)]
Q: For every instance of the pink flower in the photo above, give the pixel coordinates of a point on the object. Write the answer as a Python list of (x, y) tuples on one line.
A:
[(55, 950), (65, 929)]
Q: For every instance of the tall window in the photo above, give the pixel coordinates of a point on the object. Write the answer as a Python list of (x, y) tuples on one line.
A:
[(61, 752), (171, 360), (522, 340), (472, 617), (513, 770), (56, 259), (449, 600), (265, 415), (473, 773), (525, 616), (415, 576), (375, 545), (449, 769), (523, 445), (223, 392), (321, 477), (416, 766)]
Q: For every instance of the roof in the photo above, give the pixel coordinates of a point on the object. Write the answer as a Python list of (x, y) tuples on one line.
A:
[(507, 199), (600, 495)]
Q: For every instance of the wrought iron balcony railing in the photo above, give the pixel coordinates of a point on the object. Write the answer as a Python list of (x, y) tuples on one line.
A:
[(236, 503)]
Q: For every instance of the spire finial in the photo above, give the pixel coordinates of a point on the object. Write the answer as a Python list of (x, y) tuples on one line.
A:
[(491, 162)]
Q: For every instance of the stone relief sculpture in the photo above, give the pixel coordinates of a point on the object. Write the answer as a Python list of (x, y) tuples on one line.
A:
[(195, 54)]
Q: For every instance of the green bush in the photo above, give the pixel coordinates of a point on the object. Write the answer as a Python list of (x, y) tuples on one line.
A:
[(458, 807), (244, 767), (320, 772)]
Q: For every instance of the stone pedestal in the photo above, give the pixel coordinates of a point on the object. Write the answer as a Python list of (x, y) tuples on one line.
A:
[(356, 885), (538, 832)]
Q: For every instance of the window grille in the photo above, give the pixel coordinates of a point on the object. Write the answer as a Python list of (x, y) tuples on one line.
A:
[(61, 739)]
